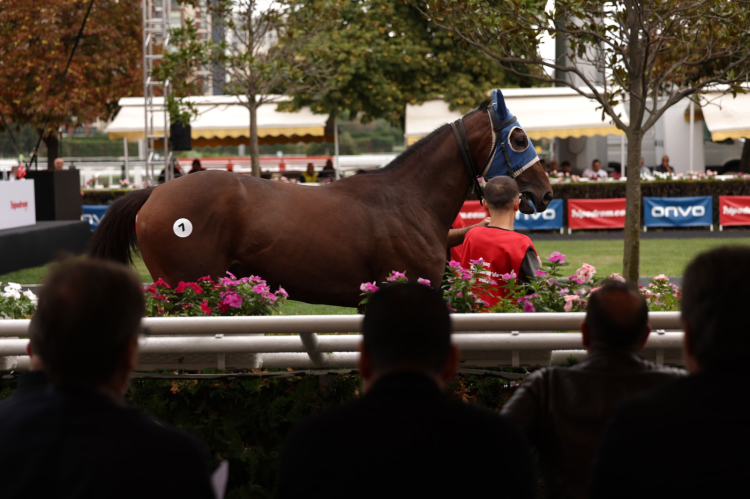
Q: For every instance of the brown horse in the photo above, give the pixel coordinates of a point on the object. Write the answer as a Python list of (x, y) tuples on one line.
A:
[(320, 243)]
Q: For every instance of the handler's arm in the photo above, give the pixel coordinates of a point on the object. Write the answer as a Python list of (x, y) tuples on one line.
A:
[(456, 236), (529, 265)]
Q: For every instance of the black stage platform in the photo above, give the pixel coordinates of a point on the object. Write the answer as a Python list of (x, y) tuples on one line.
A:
[(38, 244)]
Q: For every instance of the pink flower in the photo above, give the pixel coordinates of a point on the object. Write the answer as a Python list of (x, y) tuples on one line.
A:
[(465, 276), (508, 276), (569, 302), (454, 264), (661, 277), (367, 287), (182, 286), (161, 282), (426, 282), (459, 294), (541, 273), (593, 290), (585, 273), (232, 299), (261, 289), (528, 307), (557, 257), (616, 277), (205, 308), (270, 297), (231, 276), (282, 292), (206, 278), (479, 301), (478, 261), (396, 275)]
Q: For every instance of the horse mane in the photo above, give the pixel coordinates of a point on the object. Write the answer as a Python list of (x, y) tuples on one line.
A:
[(425, 142)]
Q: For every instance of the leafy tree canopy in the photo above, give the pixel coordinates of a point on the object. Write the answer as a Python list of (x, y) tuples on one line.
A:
[(36, 40)]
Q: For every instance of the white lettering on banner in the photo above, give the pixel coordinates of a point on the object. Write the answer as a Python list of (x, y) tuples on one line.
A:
[(549, 214), (677, 211), (736, 210), (473, 214), (17, 205), (597, 213)]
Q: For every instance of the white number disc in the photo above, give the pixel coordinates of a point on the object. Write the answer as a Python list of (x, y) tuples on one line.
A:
[(182, 227)]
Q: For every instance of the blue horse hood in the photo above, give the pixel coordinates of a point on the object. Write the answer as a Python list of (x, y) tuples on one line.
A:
[(506, 160)]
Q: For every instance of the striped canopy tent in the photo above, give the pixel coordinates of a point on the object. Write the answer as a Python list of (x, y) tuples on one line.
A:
[(223, 121), (548, 112), (726, 116)]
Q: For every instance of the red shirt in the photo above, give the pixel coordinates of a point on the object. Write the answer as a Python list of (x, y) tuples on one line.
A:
[(458, 223), (502, 250)]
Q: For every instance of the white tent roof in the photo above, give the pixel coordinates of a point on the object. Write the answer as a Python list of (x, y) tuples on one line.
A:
[(222, 119), (543, 112), (726, 117)]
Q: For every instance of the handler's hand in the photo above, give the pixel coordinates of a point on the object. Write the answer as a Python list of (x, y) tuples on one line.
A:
[(485, 222)]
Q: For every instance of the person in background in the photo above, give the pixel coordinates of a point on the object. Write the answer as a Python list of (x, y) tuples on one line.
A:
[(405, 437), (309, 176), (503, 250), (689, 438), (566, 168), (563, 411), (59, 163), (177, 172), (78, 437), (230, 166), (665, 167), (553, 165), (328, 166), (196, 167), (595, 171), (457, 234), (645, 171)]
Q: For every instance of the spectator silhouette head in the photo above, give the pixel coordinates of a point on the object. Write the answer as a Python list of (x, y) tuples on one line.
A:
[(86, 325), (714, 308), (553, 165), (616, 318), (596, 165), (59, 163), (566, 168), (407, 327)]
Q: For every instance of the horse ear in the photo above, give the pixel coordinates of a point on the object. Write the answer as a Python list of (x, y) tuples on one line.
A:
[(498, 101)]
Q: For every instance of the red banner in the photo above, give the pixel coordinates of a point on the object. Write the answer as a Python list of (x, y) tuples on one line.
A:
[(596, 213), (472, 212), (734, 210)]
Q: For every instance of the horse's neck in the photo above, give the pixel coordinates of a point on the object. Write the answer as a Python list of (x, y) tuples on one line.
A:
[(437, 178)]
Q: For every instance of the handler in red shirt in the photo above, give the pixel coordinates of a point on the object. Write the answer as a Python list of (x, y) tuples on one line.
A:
[(503, 250), (457, 234)]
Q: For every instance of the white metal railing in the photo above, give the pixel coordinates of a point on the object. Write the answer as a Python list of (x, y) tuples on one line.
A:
[(244, 342)]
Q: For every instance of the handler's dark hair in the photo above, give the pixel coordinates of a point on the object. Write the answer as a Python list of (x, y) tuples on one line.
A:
[(88, 311), (501, 192), (715, 300), (617, 315), (407, 326)]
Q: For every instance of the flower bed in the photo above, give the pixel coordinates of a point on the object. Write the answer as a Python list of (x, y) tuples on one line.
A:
[(464, 290), (16, 304)]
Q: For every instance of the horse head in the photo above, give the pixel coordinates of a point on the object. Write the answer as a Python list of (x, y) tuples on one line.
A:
[(512, 154)]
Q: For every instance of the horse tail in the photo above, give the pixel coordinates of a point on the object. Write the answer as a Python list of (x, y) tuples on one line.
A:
[(115, 238)]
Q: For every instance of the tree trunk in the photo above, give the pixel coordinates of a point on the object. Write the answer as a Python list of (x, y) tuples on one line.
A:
[(745, 160), (254, 147), (631, 257), (53, 150)]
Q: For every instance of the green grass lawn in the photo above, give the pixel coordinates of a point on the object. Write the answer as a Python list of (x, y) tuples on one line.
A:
[(658, 256)]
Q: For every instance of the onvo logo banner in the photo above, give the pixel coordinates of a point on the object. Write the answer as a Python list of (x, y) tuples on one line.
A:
[(678, 212), (549, 219), (734, 210)]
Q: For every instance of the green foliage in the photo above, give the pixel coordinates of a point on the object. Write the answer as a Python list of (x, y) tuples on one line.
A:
[(386, 54), (16, 304)]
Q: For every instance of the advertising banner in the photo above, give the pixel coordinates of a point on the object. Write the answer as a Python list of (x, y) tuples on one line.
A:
[(93, 213), (596, 213), (734, 210), (678, 212), (17, 204), (550, 219)]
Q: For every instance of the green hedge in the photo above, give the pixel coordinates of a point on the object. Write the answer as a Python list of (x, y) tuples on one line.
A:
[(246, 420), (103, 196)]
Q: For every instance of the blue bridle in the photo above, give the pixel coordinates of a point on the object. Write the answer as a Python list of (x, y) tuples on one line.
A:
[(503, 159)]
